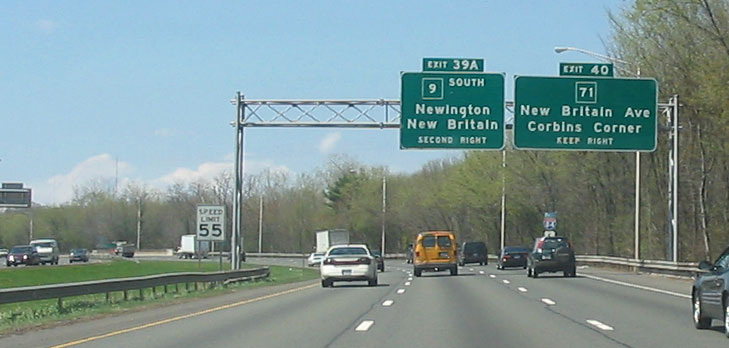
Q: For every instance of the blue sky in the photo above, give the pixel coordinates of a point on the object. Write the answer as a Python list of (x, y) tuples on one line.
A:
[(147, 83)]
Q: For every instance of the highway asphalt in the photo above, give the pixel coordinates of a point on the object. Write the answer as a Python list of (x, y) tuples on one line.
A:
[(482, 306)]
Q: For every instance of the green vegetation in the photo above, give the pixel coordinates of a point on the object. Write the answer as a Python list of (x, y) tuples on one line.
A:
[(30, 276), (684, 44), (24, 315)]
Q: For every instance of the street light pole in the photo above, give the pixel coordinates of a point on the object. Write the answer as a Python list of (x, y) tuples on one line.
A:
[(636, 247)]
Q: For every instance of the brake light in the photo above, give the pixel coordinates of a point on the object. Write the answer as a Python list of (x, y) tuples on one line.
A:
[(455, 253), (364, 260), (417, 254), (327, 261), (506, 257), (540, 244)]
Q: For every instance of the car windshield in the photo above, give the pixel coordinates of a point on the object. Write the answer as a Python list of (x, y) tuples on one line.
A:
[(318, 254), (44, 245), (348, 251), (78, 251), (23, 249)]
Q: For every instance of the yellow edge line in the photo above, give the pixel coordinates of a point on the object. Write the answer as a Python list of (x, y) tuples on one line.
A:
[(165, 321)]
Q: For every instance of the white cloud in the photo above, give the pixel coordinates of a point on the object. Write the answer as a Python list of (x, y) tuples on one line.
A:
[(59, 188), (329, 142), (45, 25), (206, 171)]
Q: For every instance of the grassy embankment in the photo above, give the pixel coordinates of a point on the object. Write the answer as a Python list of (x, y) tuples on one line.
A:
[(25, 315)]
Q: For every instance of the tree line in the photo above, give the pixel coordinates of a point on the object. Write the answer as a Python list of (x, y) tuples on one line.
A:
[(684, 44)]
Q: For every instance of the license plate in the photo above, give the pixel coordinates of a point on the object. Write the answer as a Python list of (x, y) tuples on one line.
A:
[(474, 255), (346, 272), (444, 254), (546, 257), (517, 256)]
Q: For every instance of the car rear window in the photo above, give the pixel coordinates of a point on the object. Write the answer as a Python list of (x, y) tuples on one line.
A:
[(348, 251), (554, 243), (444, 241), (21, 249), (43, 245), (515, 250), (429, 241), (474, 247)]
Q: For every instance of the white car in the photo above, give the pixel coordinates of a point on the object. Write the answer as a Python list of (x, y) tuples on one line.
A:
[(315, 259), (351, 262)]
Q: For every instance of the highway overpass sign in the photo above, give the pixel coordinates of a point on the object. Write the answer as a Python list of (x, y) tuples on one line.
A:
[(585, 113), (452, 110), (586, 69), (14, 195), (211, 222)]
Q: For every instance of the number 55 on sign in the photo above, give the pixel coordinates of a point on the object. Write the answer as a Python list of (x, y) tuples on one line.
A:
[(211, 222)]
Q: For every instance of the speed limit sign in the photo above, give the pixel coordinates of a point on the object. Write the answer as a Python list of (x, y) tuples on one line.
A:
[(211, 222)]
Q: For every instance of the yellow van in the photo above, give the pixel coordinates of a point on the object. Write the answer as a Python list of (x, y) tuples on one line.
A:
[(435, 251)]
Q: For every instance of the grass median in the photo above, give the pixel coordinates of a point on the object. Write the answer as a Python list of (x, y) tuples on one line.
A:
[(27, 315)]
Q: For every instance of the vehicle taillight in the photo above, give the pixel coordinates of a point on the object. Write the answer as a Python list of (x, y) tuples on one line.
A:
[(417, 253), (540, 244), (506, 257), (455, 253), (327, 261), (364, 260)]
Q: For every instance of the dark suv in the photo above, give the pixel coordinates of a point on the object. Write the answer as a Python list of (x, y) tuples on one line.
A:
[(551, 254), (473, 252), (710, 293)]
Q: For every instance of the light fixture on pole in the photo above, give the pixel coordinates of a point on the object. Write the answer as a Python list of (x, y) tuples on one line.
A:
[(560, 49)]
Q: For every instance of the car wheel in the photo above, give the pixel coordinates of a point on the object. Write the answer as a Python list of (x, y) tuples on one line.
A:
[(418, 272), (535, 274), (699, 321), (383, 268), (325, 283), (70, 261), (573, 272), (454, 271), (372, 282), (461, 264), (524, 267)]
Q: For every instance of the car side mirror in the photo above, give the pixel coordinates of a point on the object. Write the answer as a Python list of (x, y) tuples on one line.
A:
[(705, 265)]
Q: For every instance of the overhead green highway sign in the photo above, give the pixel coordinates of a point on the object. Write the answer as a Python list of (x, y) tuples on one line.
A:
[(586, 69), (452, 110), (584, 113), (453, 64)]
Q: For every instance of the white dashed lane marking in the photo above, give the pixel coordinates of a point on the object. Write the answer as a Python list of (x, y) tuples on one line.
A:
[(549, 302), (600, 325), (480, 272), (400, 291), (492, 276), (364, 325), (506, 281), (388, 303), (407, 283)]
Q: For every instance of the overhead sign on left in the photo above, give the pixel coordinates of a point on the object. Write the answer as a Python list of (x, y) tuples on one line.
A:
[(13, 195), (211, 222), (452, 110)]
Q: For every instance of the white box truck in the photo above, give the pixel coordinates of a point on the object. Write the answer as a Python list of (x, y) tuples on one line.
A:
[(190, 249), (328, 238)]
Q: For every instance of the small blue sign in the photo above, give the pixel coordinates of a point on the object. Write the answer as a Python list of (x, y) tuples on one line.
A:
[(550, 221)]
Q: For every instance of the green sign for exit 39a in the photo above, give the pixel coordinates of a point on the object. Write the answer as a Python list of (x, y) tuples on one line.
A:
[(452, 111), (583, 113)]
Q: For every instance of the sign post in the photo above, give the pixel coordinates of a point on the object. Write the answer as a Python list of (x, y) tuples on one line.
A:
[(210, 227), (585, 113)]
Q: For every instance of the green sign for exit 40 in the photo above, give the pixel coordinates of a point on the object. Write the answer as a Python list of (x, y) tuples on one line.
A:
[(584, 113)]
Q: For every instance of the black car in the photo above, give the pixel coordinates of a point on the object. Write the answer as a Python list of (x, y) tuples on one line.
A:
[(552, 254), (23, 255), (473, 252), (513, 256), (380, 260), (79, 255), (709, 293)]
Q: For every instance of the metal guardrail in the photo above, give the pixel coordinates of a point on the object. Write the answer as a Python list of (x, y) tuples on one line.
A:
[(43, 292), (655, 266)]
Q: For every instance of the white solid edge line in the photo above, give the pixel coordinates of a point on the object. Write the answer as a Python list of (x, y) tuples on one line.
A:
[(388, 303), (364, 325), (522, 289), (506, 281), (549, 302), (600, 325), (400, 291), (647, 288)]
